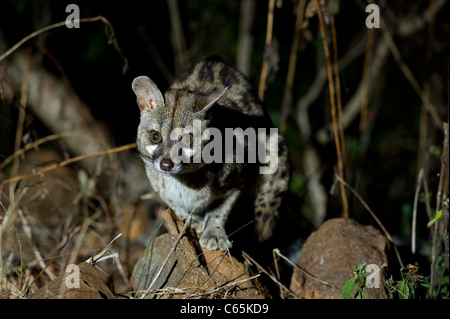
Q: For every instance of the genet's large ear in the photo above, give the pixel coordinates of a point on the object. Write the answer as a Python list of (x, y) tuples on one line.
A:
[(149, 97), (211, 98)]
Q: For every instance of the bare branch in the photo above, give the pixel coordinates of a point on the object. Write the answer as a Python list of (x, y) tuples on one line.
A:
[(245, 44), (178, 41)]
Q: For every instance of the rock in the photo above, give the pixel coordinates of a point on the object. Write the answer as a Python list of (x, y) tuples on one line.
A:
[(92, 285), (191, 272), (331, 253)]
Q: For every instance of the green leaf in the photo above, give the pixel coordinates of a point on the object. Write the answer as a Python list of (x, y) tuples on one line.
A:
[(359, 268), (361, 280), (348, 288), (403, 290), (436, 217), (411, 289), (407, 291), (363, 264), (426, 284)]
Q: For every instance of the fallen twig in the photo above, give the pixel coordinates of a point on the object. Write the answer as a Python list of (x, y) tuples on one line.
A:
[(38, 142), (251, 260), (277, 252), (37, 253), (100, 256), (67, 162)]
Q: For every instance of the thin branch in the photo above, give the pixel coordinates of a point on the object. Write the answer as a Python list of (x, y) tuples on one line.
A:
[(363, 202), (410, 77), (233, 283), (22, 113), (422, 156), (278, 253), (8, 218), (100, 256), (38, 142), (277, 271), (37, 253), (305, 101), (265, 66), (109, 31), (178, 41), (245, 42), (252, 261), (287, 98), (333, 111), (427, 199), (338, 84), (215, 269), (440, 197), (67, 162), (405, 28), (416, 200), (365, 81)]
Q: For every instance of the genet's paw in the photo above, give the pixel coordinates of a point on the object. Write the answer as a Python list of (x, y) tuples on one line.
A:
[(215, 238)]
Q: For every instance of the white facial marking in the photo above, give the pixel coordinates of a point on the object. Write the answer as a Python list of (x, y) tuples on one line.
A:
[(150, 148)]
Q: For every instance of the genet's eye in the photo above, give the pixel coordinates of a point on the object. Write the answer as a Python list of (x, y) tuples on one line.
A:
[(155, 137), (187, 139)]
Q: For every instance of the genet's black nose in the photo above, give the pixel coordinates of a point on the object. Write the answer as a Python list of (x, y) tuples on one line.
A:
[(166, 164)]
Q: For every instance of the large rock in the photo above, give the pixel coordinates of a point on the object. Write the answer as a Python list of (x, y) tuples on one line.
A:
[(330, 255), (189, 271)]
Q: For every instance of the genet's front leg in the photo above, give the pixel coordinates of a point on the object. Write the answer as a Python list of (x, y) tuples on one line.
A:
[(196, 221), (214, 236)]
